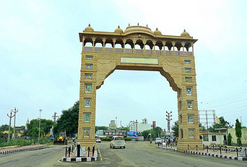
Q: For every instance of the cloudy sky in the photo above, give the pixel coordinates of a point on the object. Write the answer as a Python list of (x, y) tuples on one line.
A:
[(40, 58)]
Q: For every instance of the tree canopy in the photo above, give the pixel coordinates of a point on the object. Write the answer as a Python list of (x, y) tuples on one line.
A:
[(223, 124), (146, 133), (238, 132), (175, 129), (4, 127), (158, 131), (68, 121), (33, 127)]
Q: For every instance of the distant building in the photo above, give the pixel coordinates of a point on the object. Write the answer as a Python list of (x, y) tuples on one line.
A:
[(212, 138), (135, 126), (112, 125), (154, 125)]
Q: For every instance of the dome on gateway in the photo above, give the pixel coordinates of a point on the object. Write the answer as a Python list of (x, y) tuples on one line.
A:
[(89, 29), (138, 29), (157, 32), (185, 34), (118, 30)]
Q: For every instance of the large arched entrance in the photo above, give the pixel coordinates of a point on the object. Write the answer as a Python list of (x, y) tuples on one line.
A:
[(139, 48)]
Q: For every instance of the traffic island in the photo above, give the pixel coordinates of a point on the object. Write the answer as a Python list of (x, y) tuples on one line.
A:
[(79, 154)]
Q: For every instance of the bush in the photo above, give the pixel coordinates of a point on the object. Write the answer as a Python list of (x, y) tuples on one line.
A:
[(229, 139), (106, 139), (127, 138)]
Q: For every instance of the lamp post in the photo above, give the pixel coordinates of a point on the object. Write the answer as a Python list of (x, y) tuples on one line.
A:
[(39, 123), (15, 111), (10, 116)]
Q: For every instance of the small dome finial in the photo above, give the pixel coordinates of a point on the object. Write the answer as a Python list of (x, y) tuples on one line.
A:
[(118, 30), (137, 24), (128, 24), (146, 25), (185, 34), (89, 28)]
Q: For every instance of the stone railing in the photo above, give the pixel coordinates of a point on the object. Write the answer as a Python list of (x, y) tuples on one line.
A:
[(137, 51)]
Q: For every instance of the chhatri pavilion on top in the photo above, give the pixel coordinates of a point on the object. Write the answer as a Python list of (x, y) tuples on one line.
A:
[(160, 44)]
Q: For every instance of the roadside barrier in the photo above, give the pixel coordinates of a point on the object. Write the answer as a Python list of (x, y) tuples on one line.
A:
[(19, 149), (78, 153), (238, 150)]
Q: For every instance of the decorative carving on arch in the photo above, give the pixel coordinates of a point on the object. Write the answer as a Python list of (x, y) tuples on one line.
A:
[(171, 71), (106, 65)]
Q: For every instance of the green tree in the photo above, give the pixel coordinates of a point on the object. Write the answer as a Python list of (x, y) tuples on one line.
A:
[(238, 132), (175, 129), (33, 127), (147, 133), (229, 139), (158, 131), (201, 128), (68, 121), (223, 124), (4, 127)]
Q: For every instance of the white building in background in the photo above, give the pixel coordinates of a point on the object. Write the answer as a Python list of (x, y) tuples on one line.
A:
[(112, 125), (136, 126)]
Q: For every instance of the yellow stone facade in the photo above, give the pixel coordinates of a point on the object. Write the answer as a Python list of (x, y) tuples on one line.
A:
[(139, 48)]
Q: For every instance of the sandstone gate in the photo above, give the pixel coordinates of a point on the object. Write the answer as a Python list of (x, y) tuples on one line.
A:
[(139, 48)]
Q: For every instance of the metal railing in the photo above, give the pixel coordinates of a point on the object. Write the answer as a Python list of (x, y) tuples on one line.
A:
[(239, 151)]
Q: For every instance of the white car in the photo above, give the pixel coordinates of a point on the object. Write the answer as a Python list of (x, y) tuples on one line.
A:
[(98, 140), (158, 140), (117, 142)]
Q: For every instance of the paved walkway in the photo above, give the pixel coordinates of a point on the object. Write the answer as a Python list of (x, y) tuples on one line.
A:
[(215, 153)]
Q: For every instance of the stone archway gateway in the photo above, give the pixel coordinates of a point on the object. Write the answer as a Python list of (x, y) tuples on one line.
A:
[(139, 48)]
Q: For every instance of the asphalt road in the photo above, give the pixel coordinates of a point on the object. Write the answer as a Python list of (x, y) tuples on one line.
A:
[(38, 158), (136, 154)]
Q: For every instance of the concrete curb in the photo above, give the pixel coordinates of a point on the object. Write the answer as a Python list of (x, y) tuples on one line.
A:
[(64, 159), (167, 148), (217, 155), (20, 149)]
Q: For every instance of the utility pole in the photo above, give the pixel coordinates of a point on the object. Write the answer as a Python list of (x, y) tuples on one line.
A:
[(15, 111), (39, 123), (10, 116), (136, 124), (168, 115), (116, 122), (55, 116)]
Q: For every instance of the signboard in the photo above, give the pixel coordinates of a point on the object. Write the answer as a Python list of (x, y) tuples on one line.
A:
[(139, 60), (132, 133)]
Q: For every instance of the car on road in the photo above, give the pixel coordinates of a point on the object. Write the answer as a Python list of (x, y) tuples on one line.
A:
[(158, 140), (117, 142), (98, 140)]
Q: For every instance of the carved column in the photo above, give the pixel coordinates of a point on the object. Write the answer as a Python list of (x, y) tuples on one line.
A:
[(183, 44), (173, 48)]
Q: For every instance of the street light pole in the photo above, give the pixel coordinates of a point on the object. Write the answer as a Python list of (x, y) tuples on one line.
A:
[(10, 116), (39, 123), (15, 111)]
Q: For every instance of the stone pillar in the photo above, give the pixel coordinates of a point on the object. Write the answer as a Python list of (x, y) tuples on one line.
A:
[(183, 44), (173, 49)]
